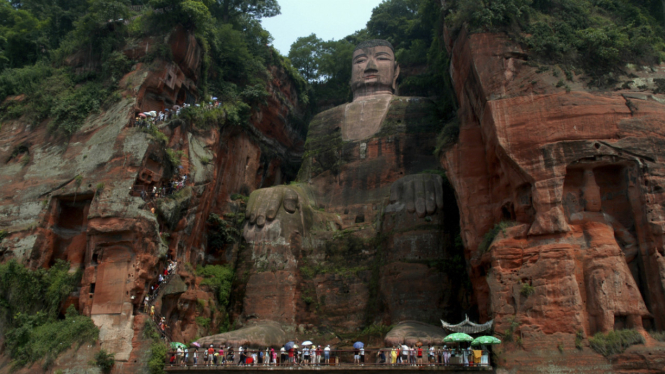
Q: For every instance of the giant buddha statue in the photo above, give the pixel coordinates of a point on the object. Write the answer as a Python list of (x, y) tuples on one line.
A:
[(361, 237)]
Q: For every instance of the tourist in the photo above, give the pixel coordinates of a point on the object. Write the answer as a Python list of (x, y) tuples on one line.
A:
[(260, 361), (230, 357), (152, 311), (282, 357), (393, 356), (146, 306), (254, 358), (382, 357), (319, 353), (178, 353), (195, 356), (243, 357), (356, 356), (362, 356), (412, 355), (222, 358), (160, 279), (420, 355), (292, 352), (432, 356), (405, 354), (306, 356), (186, 357), (312, 355), (172, 359), (211, 354), (326, 354), (273, 356)]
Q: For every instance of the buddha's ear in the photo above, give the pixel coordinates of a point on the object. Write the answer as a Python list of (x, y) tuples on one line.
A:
[(395, 76)]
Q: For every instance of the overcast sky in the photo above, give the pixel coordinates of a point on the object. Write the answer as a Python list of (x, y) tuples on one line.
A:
[(328, 19)]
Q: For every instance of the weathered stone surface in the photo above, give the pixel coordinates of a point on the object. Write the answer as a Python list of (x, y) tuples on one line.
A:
[(412, 332), (78, 199), (578, 173), (260, 335)]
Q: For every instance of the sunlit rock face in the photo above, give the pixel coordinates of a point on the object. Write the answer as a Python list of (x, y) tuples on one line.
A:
[(366, 233), (580, 175)]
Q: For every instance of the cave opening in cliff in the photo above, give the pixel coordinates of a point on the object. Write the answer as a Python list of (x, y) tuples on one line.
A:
[(69, 229)]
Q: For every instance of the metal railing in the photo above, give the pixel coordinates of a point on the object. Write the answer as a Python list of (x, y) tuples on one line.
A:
[(337, 358)]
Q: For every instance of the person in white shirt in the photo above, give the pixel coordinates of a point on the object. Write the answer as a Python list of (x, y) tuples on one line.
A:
[(432, 357), (305, 355), (178, 355), (326, 354), (362, 356)]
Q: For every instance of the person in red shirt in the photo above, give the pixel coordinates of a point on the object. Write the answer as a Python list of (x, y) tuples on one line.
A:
[(420, 355), (291, 352), (211, 355)]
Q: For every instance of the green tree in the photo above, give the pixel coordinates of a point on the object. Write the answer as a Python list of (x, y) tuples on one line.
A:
[(59, 15), (305, 55), (22, 38), (230, 10)]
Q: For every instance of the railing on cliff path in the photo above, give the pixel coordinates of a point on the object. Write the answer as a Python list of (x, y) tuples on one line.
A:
[(157, 317), (339, 359)]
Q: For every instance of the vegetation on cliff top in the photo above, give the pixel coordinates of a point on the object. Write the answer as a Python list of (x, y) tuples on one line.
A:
[(67, 57), (596, 35), (30, 314)]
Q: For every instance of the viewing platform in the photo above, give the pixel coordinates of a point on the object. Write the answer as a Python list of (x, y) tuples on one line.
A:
[(343, 368)]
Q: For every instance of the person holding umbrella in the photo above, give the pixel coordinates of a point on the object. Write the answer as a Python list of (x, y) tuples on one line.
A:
[(356, 352)]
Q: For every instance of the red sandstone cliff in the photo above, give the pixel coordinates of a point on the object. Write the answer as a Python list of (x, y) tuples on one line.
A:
[(78, 199), (579, 174)]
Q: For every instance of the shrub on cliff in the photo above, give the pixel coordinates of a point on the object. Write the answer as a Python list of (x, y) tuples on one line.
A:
[(615, 341), (219, 278), (33, 337), (104, 360), (489, 237), (30, 305)]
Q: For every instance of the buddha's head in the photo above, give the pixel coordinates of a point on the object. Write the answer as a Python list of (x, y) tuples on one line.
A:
[(374, 70)]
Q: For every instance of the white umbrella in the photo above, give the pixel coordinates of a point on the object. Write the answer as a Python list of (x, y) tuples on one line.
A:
[(152, 114), (306, 343)]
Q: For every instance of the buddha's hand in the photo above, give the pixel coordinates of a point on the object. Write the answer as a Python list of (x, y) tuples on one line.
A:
[(265, 204), (419, 193)]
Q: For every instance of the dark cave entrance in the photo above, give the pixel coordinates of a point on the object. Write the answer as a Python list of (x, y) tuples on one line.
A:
[(69, 228)]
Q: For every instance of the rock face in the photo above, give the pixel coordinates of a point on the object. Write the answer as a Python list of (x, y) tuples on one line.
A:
[(579, 174), (79, 200)]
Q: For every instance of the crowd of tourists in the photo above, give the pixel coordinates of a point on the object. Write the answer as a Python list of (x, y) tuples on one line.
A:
[(151, 118), (319, 356), (148, 306)]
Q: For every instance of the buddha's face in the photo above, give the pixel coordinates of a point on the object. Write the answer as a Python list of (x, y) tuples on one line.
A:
[(374, 71)]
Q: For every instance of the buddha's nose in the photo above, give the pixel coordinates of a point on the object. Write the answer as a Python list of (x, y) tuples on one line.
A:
[(371, 66)]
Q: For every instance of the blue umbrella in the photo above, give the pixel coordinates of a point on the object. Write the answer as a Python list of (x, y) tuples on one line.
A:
[(289, 345), (358, 345)]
